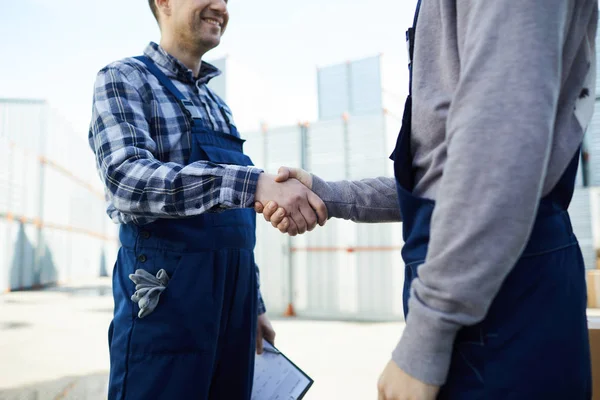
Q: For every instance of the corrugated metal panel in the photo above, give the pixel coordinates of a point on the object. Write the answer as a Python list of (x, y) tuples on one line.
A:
[(354, 88), (21, 243), (330, 280), (283, 148), (326, 148), (254, 147), (579, 178), (273, 261), (592, 141), (324, 286), (4, 258), (366, 146), (365, 86), (53, 225), (319, 277), (598, 63), (333, 91), (380, 272), (581, 217)]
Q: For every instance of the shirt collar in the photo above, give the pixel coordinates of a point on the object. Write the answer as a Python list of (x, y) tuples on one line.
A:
[(175, 69)]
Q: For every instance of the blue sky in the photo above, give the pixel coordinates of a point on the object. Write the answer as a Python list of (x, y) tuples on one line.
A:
[(53, 49)]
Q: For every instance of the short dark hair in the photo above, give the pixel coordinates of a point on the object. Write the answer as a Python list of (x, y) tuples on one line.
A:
[(152, 5)]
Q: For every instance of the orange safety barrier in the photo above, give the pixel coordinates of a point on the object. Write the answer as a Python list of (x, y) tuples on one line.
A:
[(67, 228), (72, 176), (44, 160)]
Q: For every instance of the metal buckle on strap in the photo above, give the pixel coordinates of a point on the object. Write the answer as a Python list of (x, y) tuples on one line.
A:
[(192, 109), (410, 42)]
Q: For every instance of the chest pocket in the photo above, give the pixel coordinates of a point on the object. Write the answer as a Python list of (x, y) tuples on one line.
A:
[(219, 149), (224, 156)]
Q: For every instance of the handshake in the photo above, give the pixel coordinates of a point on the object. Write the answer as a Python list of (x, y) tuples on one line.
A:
[(288, 202)]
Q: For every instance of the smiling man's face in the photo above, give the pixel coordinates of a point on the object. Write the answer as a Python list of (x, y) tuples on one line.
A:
[(197, 23)]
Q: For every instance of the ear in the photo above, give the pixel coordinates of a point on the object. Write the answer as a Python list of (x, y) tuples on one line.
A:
[(164, 6)]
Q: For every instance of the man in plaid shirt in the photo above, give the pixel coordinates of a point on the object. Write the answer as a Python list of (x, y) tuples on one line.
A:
[(185, 284)]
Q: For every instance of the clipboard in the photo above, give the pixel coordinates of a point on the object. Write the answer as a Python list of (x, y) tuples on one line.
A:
[(276, 377)]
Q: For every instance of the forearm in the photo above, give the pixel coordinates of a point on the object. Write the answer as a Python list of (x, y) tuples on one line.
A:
[(140, 185), (137, 182), (367, 200)]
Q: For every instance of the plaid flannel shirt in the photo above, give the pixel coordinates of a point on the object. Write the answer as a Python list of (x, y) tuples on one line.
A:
[(141, 139)]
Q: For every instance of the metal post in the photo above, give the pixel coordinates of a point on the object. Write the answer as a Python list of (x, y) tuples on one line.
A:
[(40, 249), (290, 311), (345, 118)]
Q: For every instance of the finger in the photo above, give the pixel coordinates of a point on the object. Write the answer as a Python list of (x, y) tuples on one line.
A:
[(259, 342), (269, 335), (293, 228), (309, 216), (270, 208), (319, 207), (277, 217), (284, 225), (258, 207), (283, 174), (304, 177), (299, 219)]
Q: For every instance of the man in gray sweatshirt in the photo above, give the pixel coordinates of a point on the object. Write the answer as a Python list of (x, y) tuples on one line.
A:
[(495, 299)]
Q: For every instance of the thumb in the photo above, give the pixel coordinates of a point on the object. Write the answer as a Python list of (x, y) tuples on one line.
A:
[(286, 173), (258, 207), (283, 174), (304, 177), (319, 207), (259, 340)]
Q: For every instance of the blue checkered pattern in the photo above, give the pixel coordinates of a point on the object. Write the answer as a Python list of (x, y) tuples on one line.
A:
[(141, 138)]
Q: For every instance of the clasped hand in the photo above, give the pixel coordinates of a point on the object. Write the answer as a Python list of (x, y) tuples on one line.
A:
[(287, 201)]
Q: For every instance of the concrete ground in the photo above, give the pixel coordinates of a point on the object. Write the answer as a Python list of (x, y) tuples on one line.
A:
[(53, 345)]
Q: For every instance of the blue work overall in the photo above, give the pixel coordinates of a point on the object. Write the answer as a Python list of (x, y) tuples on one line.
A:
[(533, 343), (199, 342)]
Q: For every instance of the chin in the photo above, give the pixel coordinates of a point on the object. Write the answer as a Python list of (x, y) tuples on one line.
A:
[(209, 44)]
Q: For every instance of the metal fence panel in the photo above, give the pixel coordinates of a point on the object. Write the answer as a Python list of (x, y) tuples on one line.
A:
[(270, 150), (326, 148), (366, 146), (254, 147), (365, 86), (333, 91), (347, 270), (597, 63), (592, 140), (581, 217), (53, 226), (283, 148)]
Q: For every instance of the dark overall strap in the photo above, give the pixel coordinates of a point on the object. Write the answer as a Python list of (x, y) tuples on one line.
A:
[(410, 41), (187, 105)]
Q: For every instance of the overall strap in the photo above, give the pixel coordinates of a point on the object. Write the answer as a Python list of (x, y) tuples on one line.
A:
[(187, 105), (410, 43)]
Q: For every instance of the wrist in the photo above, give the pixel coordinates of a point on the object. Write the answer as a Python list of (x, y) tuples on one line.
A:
[(262, 183)]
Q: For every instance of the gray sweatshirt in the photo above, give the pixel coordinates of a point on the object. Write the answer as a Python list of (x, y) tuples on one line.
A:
[(503, 92)]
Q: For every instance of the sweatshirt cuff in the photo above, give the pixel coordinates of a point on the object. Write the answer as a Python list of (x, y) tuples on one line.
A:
[(425, 349), (323, 190)]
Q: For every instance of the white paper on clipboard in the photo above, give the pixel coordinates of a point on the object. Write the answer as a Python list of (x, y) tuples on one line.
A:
[(278, 378)]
